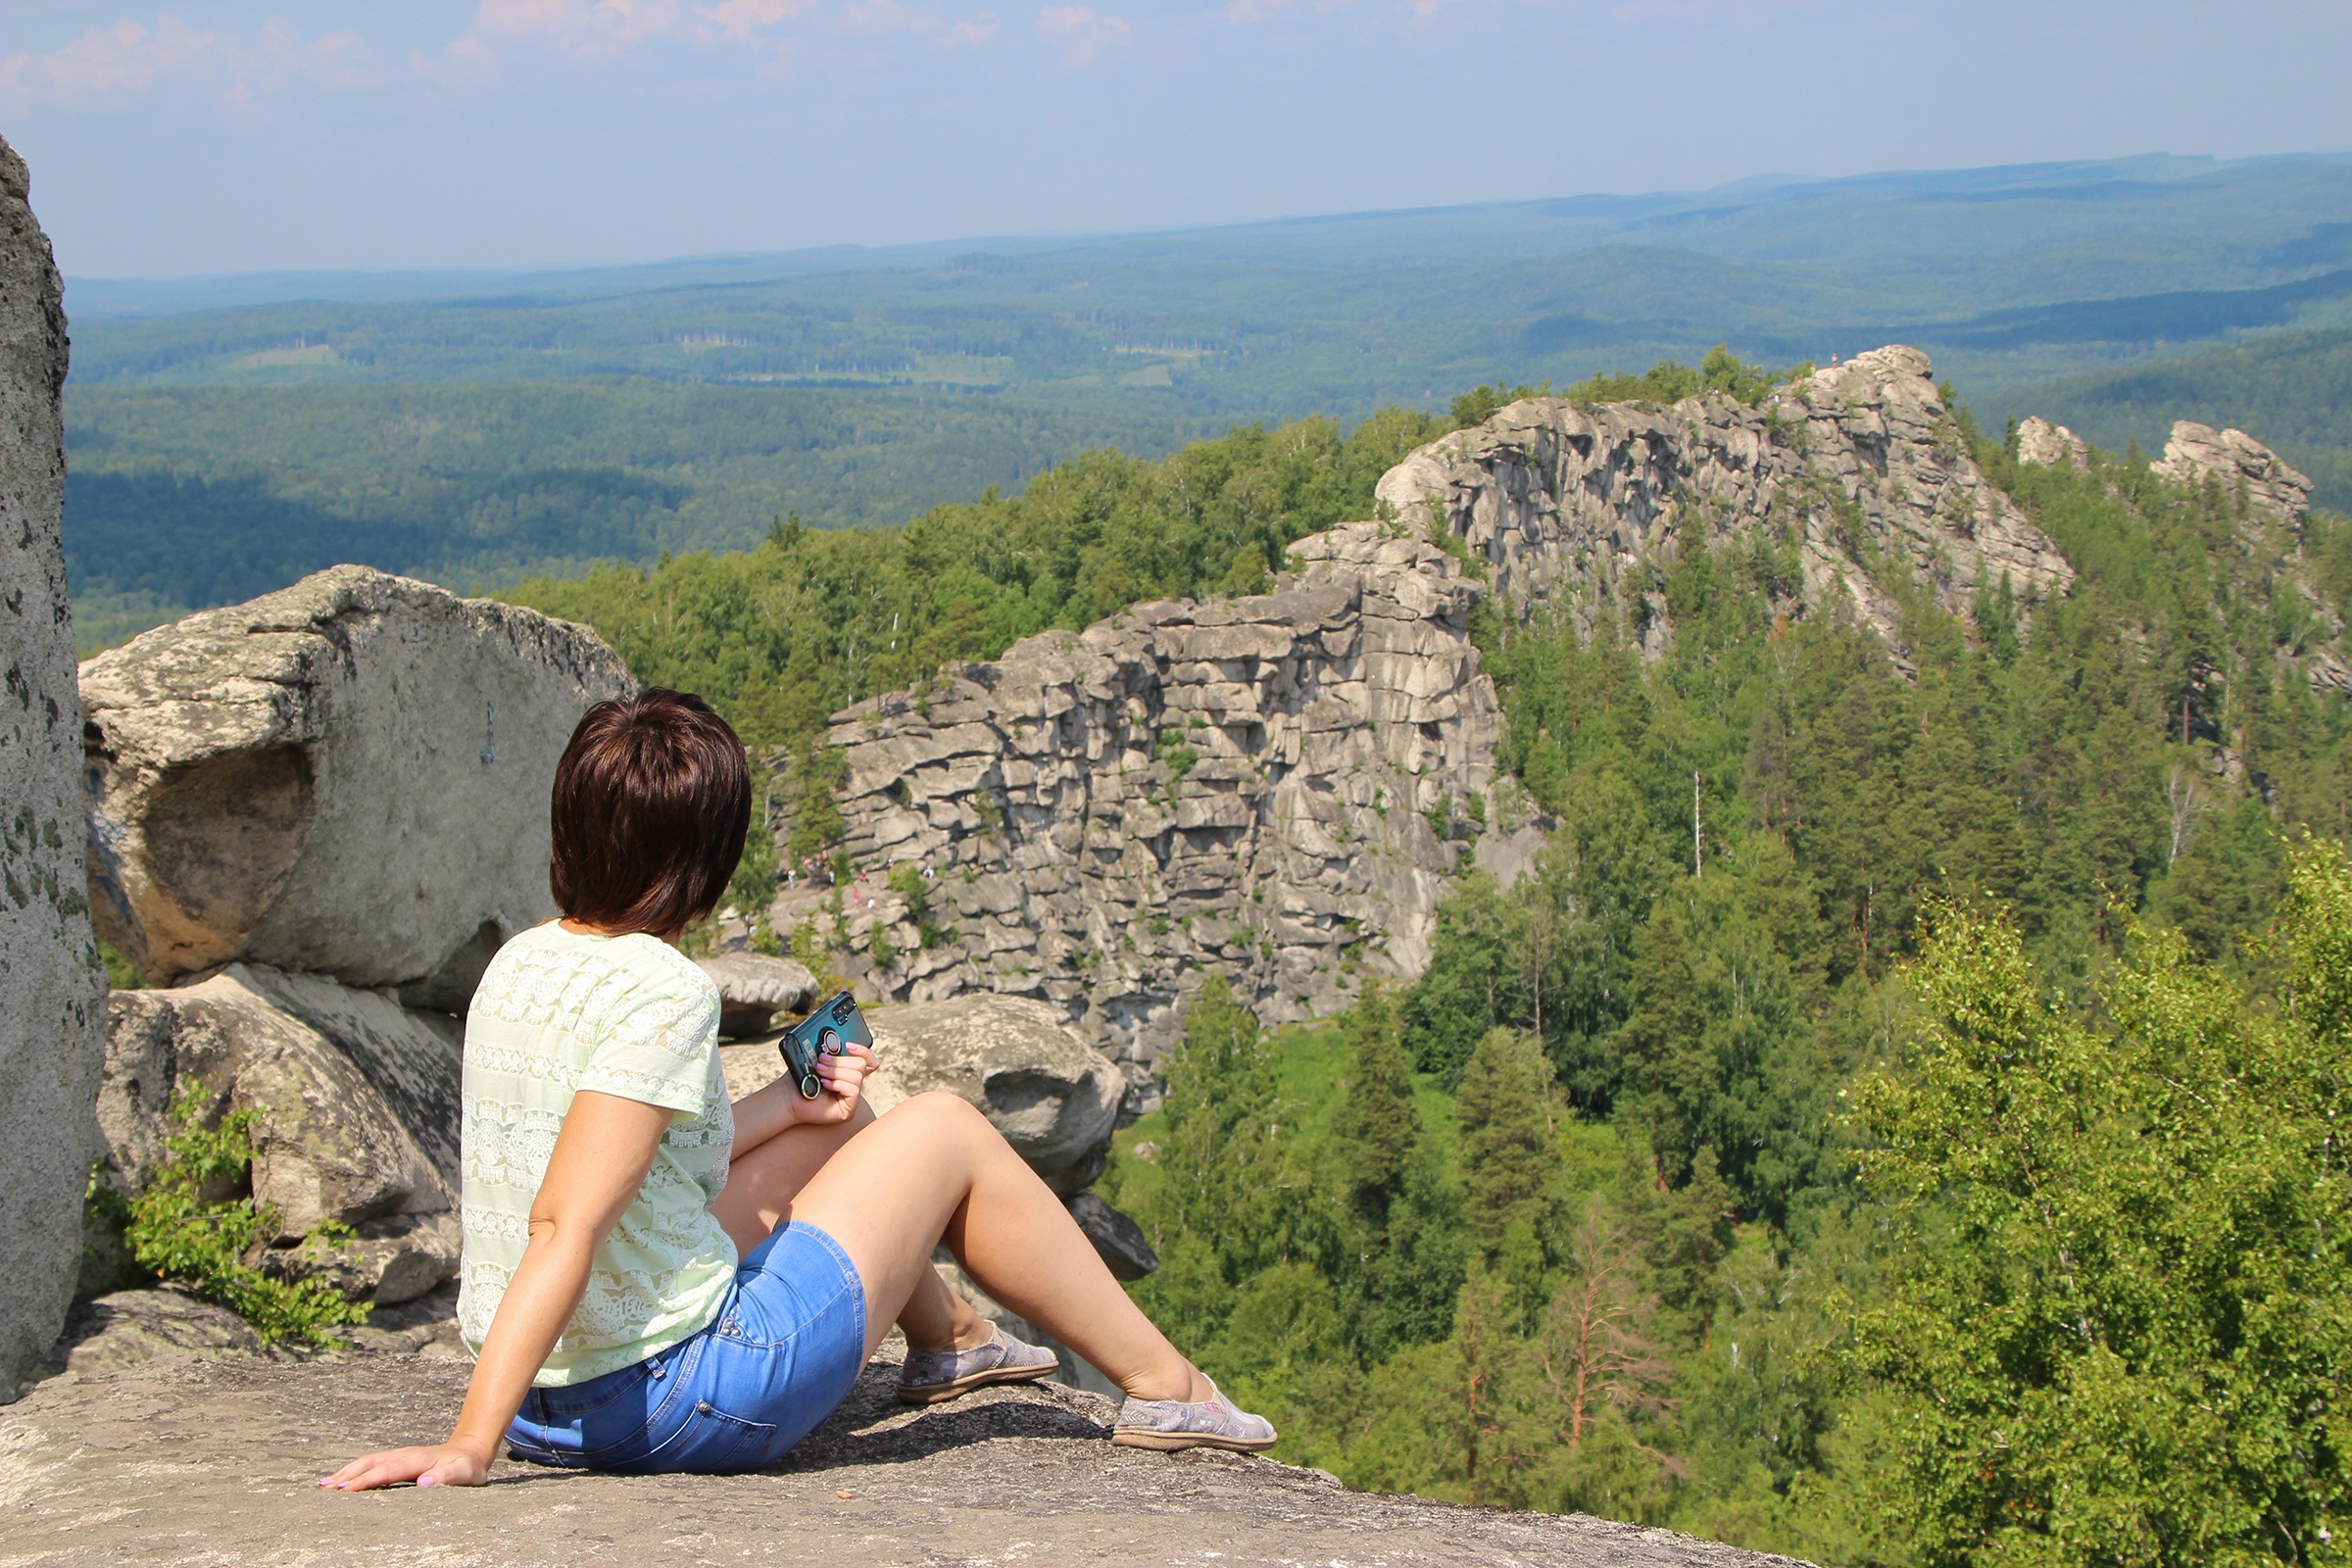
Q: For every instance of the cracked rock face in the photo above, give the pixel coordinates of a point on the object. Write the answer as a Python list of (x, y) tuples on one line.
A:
[(1279, 789), (358, 1103), (2051, 446), (1276, 788), (52, 991), (2239, 464), (1860, 468), (348, 777)]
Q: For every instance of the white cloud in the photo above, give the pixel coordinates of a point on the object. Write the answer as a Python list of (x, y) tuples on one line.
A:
[(600, 30), (128, 58), (970, 33), (1078, 34)]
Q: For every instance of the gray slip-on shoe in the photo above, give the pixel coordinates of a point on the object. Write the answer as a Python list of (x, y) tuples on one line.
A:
[(1210, 1423), (930, 1376)]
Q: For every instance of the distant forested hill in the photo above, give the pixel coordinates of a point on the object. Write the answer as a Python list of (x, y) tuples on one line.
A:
[(2293, 390), (228, 434), (185, 497)]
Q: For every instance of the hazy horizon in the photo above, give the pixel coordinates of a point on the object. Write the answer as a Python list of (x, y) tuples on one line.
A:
[(226, 137)]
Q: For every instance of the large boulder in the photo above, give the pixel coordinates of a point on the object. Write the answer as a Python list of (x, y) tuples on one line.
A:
[(1053, 1097), (753, 987), (356, 1103), (348, 777), (52, 991)]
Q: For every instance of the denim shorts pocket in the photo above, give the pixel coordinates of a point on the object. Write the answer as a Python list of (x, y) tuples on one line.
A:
[(711, 1442)]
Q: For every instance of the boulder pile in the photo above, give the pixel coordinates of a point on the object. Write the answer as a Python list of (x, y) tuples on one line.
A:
[(313, 819), (52, 991)]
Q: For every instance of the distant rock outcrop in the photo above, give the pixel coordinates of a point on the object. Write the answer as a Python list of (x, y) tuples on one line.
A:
[(1273, 787), (2236, 460), (1860, 468), (753, 987), (1279, 789), (52, 991), (2051, 446)]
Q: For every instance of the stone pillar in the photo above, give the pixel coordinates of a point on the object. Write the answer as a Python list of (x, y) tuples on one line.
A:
[(52, 990)]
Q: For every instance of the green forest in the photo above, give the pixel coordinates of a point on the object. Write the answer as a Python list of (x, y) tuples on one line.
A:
[(1942, 1170), (2292, 388), (227, 436)]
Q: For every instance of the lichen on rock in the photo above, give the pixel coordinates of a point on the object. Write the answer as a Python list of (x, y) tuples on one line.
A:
[(52, 990)]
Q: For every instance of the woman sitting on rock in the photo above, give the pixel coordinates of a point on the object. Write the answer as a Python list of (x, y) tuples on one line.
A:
[(656, 1279)]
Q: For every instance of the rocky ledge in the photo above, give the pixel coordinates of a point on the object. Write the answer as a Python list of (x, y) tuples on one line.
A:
[(208, 1457)]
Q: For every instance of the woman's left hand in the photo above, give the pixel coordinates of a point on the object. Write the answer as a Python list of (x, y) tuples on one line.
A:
[(845, 1081)]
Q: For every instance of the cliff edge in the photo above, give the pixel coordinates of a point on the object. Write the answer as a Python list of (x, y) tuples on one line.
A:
[(211, 1458)]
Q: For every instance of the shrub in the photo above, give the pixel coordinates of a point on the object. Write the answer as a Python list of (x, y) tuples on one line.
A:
[(202, 1245)]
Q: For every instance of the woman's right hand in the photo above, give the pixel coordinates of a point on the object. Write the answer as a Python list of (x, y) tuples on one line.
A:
[(845, 1081), (441, 1465)]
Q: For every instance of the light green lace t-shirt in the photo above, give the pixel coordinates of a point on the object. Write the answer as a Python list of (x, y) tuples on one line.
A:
[(632, 1016)]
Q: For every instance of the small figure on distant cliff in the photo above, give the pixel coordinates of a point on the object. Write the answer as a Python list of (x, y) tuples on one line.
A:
[(657, 1280)]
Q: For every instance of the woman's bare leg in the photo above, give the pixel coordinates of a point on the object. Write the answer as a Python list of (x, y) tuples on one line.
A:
[(759, 1189), (934, 1167)]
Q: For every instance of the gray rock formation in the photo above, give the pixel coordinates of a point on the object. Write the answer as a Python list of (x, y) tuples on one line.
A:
[(1575, 509), (2239, 464), (1053, 1097), (348, 777), (52, 991), (1274, 787), (753, 988), (1278, 789), (2051, 446), (212, 1460), (358, 1112), (131, 1328), (1118, 1240)]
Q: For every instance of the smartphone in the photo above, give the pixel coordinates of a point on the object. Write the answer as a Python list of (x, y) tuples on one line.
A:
[(829, 1030)]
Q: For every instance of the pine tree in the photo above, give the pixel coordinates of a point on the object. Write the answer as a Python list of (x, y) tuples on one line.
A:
[(1377, 1125), (1507, 1154), (1215, 1214)]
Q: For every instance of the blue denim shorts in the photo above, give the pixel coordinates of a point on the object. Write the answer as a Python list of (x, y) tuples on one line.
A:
[(787, 1344)]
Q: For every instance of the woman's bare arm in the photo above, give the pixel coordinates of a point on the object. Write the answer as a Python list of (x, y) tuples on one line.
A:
[(765, 1113), (601, 1155)]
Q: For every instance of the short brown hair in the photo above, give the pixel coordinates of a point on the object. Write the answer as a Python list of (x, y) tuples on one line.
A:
[(652, 799)]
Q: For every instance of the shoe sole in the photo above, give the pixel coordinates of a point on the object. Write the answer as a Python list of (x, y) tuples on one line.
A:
[(1172, 1442), (939, 1393)]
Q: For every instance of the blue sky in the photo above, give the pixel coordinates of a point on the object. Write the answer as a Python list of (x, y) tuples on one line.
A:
[(233, 136)]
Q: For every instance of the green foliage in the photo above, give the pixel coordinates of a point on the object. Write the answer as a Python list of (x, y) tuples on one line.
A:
[(2117, 1317), (1634, 1067), (120, 973), (907, 880), (1721, 371), (1377, 1125), (784, 635), (1214, 1214), (180, 1229)]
